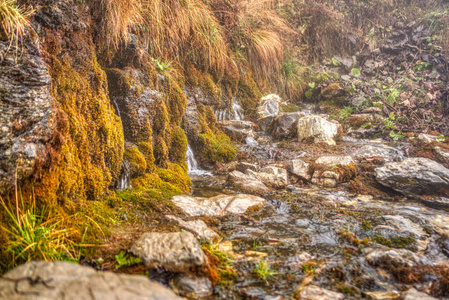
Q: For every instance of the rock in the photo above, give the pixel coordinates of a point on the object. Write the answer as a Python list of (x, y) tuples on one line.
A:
[(174, 251), (237, 130), (381, 295), (197, 227), (268, 109), (313, 292), (398, 257), (26, 111), (247, 183), (435, 202), (299, 168), (271, 176), (298, 260), (406, 227), (243, 166), (372, 110), (413, 294), (442, 155), (284, 125), (331, 170), (384, 152), (415, 176), (319, 130), (191, 287), (357, 100), (64, 280), (217, 206), (333, 90), (426, 138)]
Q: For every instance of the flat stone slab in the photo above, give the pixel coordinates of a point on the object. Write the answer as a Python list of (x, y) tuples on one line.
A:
[(197, 227), (69, 281), (175, 251), (217, 206), (313, 292)]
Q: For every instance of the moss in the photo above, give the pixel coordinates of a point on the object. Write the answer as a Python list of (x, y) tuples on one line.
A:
[(146, 148), (289, 107), (210, 88), (395, 241), (176, 100), (248, 95), (178, 147), (356, 121), (347, 289), (351, 238), (161, 152), (136, 161)]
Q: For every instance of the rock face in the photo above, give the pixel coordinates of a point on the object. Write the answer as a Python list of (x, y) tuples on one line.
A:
[(271, 176), (26, 115), (237, 130), (331, 170), (319, 130), (247, 183), (284, 125), (64, 280), (217, 206), (313, 292), (175, 251), (415, 176)]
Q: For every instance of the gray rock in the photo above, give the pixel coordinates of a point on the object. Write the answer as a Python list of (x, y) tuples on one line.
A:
[(197, 227), (271, 176), (318, 129), (299, 168), (285, 125), (191, 287), (414, 176), (64, 280), (329, 174), (382, 295), (405, 227), (268, 106), (217, 206), (247, 183), (243, 166), (400, 257), (175, 251), (331, 161), (426, 138), (313, 292), (413, 294), (382, 151), (26, 111), (237, 130), (441, 154)]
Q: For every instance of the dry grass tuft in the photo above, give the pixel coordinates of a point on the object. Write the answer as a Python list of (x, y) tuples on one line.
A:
[(14, 20)]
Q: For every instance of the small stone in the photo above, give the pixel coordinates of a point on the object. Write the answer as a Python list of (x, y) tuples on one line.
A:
[(243, 166), (237, 130), (381, 295), (285, 125), (313, 292), (191, 287), (175, 251), (248, 184)]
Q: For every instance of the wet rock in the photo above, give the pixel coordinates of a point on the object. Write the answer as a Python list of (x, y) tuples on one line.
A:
[(26, 111), (271, 176), (405, 227), (413, 294), (256, 293), (318, 130), (268, 109), (298, 260), (247, 183), (191, 287), (435, 202), (415, 176), (284, 126), (237, 130), (384, 152), (398, 257), (197, 227), (331, 170), (175, 251), (243, 166), (381, 295), (218, 206), (299, 168), (64, 280), (313, 292)]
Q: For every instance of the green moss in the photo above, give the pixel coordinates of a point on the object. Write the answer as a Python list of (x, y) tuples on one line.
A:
[(178, 147), (161, 152), (395, 241), (146, 148), (210, 88), (248, 95), (289, 107), (136, 161), (177, 101)]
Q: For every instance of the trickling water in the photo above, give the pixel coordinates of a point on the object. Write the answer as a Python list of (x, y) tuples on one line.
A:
[(192, 165), (238, 110), (124, 181)]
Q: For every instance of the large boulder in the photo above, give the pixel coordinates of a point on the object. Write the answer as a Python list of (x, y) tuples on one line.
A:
[(319, 130), (415, 176), (237, 130), (38, 280), (217, 206), (26, 111), (174, 251), (248, 184), (268, 109), (284, 125)]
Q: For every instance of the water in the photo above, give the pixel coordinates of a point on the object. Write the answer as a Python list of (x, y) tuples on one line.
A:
[(238, 110), (193, 168), (236, 114), (124, 181)]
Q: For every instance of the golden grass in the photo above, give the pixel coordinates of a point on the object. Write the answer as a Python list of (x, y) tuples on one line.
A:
[(14, 20)]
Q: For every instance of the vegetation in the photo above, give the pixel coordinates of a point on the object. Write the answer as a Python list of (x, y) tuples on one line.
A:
[(14, 21), (263, 270)]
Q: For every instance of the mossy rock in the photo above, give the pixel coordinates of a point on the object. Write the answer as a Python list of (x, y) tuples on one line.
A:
[(178, 147), (136, 160), (248, 95), (146, 148)]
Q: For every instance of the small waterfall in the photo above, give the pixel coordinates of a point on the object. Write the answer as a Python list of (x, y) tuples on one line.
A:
[(124, 181), (238, 110), (192, 164)]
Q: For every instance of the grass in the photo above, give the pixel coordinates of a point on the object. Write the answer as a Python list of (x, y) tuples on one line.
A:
[(36, 234), (222, 262), (14, 20), (263, 270)]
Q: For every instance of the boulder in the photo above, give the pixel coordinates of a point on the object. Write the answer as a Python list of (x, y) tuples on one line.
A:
[(319, 130), (313, 292), (174, 251), (413, 294), (299, 168), (247, 183), (284, 125), (191, 287), (268, 109), (64, 280), (217, 206), (197, 227), (272, 176), (329, 171), (415, 176), (386, 153), (237, 130)]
